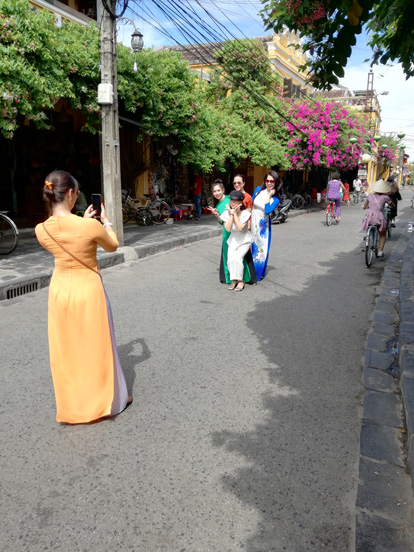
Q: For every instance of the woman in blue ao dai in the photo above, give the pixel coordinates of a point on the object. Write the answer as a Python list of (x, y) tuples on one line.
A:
[(265, 200)]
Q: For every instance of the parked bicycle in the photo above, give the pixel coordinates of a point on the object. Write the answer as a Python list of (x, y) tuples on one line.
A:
[(371, 244), (330, 213), (9, 234), (298, 202), (131, 209), (160, 210)]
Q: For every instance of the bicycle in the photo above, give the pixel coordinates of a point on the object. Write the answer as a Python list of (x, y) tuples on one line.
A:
[(353, 198), (298, 202), (131, 209), (330, 212), (371, 244), (160, 210), (9, 234)]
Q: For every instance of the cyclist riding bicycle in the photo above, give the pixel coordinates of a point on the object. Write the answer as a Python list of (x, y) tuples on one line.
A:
[(333, 193), (375, 204)]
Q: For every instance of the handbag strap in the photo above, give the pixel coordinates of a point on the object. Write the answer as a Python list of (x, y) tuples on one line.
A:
[(69, 253), (376, 201)]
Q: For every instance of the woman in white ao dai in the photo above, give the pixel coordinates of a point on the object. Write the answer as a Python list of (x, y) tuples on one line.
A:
[(235, 220)]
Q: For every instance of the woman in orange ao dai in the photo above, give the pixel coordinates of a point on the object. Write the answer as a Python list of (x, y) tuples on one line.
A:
[(87, 376)]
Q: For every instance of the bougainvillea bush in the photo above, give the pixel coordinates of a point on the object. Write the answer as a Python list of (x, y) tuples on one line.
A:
[(387, 149), (321, 133)]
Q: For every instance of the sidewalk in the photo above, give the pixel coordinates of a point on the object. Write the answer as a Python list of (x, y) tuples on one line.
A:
[(30, 267), (384, 519)]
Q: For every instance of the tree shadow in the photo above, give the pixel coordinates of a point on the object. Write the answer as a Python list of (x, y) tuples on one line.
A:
[(301, 459)]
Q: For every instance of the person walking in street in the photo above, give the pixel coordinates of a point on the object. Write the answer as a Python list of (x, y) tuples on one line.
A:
[(265, 199), (87, 376), (197, 186), (235, 219), (375, 204), (395, 198), (346, 193), (333, 193), (249, 275), (357, 187)]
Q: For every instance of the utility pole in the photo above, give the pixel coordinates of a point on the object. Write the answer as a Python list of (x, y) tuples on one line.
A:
[(108, 99)]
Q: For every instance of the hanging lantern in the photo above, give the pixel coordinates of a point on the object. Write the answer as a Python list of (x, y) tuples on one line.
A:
[(401, 135), (384, 146), (353, 140), (137, 41), (377, 137), (366, 158), (403, 147)]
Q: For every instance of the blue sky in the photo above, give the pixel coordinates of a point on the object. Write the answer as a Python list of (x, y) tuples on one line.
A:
[(240, 18)]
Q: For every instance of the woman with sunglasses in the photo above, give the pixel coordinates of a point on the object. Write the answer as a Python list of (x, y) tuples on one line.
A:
[(223, 203), (265, 199), (87, 376)]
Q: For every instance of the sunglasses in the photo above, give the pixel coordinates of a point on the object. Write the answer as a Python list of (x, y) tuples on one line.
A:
[(269, 181)]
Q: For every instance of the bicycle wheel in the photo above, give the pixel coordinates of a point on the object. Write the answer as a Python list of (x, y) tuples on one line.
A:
[(369, 246), (298, 202), (126, 214), (9, 235), (161, 211), (329, 215), (143, 217)]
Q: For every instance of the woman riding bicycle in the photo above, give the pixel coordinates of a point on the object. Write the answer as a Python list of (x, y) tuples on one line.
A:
[(333, 193), (375, 204)]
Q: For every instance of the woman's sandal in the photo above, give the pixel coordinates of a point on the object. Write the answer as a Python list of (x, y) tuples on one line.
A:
[(232, 287), (239, 287)]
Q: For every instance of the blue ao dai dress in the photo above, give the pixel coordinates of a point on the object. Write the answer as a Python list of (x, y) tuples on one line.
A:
[(261, 229)]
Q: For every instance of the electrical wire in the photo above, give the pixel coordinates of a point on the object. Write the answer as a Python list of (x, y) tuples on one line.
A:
[(195, 29), (114, 14), (172, 12)]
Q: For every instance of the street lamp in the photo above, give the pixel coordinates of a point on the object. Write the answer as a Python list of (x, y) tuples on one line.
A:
[(137, 39)]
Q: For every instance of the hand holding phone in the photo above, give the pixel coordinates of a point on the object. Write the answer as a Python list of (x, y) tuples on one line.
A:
[(96, 203)]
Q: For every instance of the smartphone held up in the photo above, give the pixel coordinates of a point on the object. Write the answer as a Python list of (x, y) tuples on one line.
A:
[(96, 203)]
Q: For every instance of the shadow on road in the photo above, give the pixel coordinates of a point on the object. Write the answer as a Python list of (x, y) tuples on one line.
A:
[(302, 459), (130, 359)]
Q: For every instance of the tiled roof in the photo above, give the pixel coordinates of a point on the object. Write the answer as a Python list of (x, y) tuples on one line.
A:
[(204, 53)]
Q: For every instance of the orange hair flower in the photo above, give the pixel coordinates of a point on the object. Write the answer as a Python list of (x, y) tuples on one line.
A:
[(48, 185)]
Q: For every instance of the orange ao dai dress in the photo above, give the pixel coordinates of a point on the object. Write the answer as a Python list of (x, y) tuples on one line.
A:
[(86, 371)]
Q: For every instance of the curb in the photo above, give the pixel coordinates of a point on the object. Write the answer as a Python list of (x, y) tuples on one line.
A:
[(406, 347), (384, 504)]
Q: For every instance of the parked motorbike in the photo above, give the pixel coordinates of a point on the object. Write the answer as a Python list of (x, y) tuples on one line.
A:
[(281, 213)]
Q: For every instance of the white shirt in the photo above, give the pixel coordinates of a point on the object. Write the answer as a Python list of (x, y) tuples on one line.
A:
[(236, 238), (357, 184)]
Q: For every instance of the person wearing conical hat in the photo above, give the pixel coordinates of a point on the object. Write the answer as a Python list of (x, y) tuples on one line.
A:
[(375, 204)]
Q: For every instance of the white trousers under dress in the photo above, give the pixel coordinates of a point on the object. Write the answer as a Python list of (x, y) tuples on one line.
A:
[(235, 261)]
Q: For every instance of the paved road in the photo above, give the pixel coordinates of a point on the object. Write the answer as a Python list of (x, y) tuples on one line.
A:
[(244, 431)]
